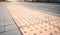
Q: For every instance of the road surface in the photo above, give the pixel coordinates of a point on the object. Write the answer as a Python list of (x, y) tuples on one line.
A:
[(50, 8)]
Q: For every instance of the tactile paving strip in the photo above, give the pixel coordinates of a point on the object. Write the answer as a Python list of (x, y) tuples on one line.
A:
[(32, 22)]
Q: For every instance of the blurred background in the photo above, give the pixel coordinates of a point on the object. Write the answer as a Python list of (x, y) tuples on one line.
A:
[(34, 0)]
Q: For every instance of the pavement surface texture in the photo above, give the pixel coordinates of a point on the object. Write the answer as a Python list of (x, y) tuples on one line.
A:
[(50, 8), (33, 22), (7, 25)]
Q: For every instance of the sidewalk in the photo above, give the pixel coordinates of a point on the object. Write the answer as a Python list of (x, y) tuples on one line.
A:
[(32, 22), (7, 25)]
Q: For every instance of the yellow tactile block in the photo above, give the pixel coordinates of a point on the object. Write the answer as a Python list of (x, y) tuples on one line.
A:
[(32, 22)]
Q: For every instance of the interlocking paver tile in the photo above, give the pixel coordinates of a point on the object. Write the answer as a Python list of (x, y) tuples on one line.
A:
[(2, 29), (11, 27), (32, 22), (6, 23), (12, 32)]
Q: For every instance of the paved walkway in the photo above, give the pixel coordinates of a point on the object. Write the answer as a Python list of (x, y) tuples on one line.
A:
[(32, 22), (7, 25)]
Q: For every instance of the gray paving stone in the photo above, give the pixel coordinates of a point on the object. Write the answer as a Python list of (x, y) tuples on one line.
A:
[(3, 33), (13, 32), (8, 17), (8, 20), (1, 18), (11, 27), (6, 23), (2, 29), (4, 15), (5, 19)]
